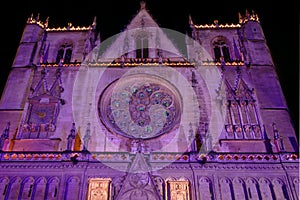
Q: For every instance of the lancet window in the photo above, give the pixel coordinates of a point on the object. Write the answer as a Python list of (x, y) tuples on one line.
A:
[(64, 53), (221, 49), (242, 119)]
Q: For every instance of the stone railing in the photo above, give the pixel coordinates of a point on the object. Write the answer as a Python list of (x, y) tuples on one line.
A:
[(86, 156)]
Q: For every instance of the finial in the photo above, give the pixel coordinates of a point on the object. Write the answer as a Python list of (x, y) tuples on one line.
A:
[(46, 22), (69, 26), (240, 18), (278, 140), (247, 14), (38, 17), (216, 22), (191, 20), (143, 5), (94, 22)]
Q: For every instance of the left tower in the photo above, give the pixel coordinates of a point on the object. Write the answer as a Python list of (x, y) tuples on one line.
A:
[(34, 94)]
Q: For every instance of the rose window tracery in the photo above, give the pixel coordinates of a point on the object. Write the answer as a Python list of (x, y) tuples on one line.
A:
[(140, 107)]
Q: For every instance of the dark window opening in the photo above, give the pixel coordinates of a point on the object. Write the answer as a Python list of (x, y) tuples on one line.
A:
[(30, 191), (5, 189), (60, 55), (64, 54), (217, 54), (226, 53), (250, 195), (221, 51), (55, 192), (68, 55)]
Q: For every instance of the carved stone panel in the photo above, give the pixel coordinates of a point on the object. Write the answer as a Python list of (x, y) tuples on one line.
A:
[(178, 190), (99, 189)]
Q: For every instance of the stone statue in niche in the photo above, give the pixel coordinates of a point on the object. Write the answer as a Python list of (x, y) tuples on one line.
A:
[(87, 137), (71, 138)]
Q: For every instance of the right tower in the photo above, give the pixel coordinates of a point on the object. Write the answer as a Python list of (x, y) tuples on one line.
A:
[(257, 117)]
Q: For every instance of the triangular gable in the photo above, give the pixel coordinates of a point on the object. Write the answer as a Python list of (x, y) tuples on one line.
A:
[(142, 25), (243, 91), (142, 19), (138, 183)]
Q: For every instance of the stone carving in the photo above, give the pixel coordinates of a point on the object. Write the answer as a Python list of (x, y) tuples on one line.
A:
[(138, 184), (99, 189), (178, 189), (160, 185), (143, 109)]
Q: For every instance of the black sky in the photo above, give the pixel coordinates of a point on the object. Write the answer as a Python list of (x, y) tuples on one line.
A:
[(279, 20)]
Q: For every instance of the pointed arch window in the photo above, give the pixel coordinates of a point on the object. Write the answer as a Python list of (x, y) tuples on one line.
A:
[(221, 49), (142, 50), (64, 53)]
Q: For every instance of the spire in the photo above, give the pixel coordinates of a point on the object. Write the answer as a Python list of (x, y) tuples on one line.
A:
[(143, 5)]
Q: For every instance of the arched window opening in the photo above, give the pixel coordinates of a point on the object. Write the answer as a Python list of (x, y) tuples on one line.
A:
[(64, 53), (221, 50)]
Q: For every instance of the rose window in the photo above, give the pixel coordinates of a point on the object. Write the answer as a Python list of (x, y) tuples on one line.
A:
[(140, 107)]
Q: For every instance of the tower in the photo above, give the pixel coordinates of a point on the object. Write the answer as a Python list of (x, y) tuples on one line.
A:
[(132, 117)]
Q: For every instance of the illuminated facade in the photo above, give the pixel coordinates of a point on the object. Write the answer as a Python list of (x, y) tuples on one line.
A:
[(137, 117)]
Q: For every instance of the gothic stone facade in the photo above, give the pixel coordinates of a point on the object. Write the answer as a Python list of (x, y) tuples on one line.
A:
[(135, 117)]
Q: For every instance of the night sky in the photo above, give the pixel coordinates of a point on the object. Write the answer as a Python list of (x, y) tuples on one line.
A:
[(280, 22)]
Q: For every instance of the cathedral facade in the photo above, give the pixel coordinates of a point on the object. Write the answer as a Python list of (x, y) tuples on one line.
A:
[(149, 113)]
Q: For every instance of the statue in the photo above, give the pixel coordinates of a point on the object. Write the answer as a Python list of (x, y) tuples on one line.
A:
[(86, 137), (71, 138)]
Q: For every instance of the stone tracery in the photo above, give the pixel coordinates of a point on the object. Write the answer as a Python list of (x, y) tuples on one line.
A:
[(143, 109)]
